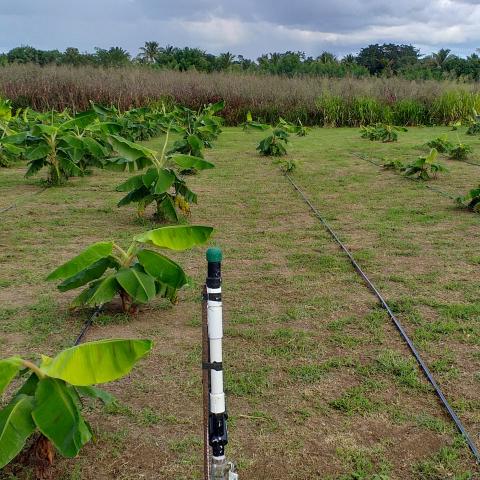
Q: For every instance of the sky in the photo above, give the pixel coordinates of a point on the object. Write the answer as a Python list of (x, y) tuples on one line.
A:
[(246, 27)]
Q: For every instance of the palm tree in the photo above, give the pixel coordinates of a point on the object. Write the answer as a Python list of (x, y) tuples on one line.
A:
[(225, 60), (149, 51), (441, 57), (327, 57), (349, 59)]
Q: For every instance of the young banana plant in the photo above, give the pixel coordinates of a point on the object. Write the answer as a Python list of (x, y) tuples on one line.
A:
[(425, 168), (471, 200), (49, 400), (273, 145), (137, 274), (161, 183)]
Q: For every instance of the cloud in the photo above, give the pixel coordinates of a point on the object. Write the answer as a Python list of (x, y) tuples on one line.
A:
[(249, 27)]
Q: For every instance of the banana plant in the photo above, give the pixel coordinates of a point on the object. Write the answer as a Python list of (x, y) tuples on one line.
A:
[(381, 132), (395, 165), (471, 200), (199, 129), (459, 151), (441, 144), (274, 144), (5, 110), (425, 168), (49, 401), (12, 146), (161, 183), (65, 148), (137, 274)]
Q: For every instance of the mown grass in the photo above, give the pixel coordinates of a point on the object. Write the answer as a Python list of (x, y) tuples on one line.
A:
[(319, 383)]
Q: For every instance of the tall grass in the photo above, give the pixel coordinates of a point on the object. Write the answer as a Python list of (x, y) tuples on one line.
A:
[(314, 100)]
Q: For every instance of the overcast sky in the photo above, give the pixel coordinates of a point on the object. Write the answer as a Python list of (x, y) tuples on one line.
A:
[(247, 27)]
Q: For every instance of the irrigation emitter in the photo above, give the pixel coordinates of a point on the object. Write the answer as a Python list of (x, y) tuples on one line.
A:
[(216, 465)]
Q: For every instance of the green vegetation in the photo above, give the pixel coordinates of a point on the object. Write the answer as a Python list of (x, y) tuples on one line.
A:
[(471, 200), (441, 144), (139, 274), (425, 168), (310, 347), (381, 132), (274, 145), (459, 151), (49, 400)]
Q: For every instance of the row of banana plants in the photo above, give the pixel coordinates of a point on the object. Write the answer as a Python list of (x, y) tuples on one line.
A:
[(105, 138), (49, 403)]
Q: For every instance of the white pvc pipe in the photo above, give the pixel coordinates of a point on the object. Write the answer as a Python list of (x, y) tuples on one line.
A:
[(215, 336)]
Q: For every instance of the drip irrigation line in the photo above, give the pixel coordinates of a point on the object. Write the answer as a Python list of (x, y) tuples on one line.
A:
[(430, 187), (471, 163), (88, 323), (397, 323)]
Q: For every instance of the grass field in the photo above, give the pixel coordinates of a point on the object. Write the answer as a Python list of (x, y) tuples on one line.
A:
[(320, 384)]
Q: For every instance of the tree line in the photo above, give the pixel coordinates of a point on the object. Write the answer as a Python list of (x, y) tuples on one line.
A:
[(379, 60)]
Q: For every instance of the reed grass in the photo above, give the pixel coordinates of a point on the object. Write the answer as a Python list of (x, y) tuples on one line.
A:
[(314, 100)]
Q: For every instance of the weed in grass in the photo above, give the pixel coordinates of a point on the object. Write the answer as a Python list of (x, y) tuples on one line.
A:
[(247, 383), (364, 464), (355, 402), (287, 342), (403, 370), (441, 465), (147, 416), (432, 423), (185, 445)]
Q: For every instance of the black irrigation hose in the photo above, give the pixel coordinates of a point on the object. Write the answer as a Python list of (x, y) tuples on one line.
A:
[(430, 187), (398, 325), (88, 323)]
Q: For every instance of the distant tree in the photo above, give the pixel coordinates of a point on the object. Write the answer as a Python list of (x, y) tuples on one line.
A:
[(326, 57), (23, 54), (113, 57), (349, 59), (225, 60), (388, 58), (441, 57), (149, 52)]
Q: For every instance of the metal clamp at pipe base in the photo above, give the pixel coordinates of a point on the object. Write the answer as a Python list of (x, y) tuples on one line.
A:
[(220, 469)]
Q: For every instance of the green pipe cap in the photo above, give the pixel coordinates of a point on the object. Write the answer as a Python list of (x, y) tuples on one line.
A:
[(214, 254)]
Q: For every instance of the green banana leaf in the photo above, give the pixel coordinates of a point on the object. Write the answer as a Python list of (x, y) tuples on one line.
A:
[(57, 415), (96, 362), (90, 255), (16, 425), (189, 161), (92, 272), (129, 150), (140, 286), (164, 181), (98, 292), (162, 268), (133, 183), (9, 368), (96, 393), (176, 237)]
